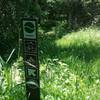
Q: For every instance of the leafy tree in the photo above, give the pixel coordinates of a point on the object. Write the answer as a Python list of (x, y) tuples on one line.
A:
[(12, 12)]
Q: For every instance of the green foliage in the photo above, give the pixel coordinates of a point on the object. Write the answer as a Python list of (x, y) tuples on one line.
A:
[(77, 13), (69, 58), (12, 85), (70, 65), (69, 68), (12, 12)]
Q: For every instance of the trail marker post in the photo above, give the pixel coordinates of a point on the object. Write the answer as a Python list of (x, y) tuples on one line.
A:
[(30, 42)]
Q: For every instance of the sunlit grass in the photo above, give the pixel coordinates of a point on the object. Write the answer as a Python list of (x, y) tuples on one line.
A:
[(69, 68), (88, 36), (12, 81), (73, 69)]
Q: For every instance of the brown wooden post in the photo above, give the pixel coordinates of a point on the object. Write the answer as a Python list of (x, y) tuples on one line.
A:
[(31, 63)]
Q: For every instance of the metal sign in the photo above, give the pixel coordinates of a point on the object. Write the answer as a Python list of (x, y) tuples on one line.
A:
[(29, 29), (31, 58)]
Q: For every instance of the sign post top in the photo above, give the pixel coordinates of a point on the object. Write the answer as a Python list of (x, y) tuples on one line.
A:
[(29, 28)]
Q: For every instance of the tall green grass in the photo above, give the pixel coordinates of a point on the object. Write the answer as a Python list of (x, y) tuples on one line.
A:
[(12, 85), (70, 66)]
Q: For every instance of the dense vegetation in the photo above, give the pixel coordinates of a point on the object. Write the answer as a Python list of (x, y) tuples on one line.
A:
[(70, 66), (69, 48)]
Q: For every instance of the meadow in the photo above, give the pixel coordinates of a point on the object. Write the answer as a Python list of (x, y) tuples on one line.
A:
[(69, 67)]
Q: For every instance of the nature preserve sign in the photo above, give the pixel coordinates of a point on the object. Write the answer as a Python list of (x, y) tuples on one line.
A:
[(31, 58)]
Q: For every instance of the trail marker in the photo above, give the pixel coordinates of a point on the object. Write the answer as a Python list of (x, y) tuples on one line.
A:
[(29, 29)]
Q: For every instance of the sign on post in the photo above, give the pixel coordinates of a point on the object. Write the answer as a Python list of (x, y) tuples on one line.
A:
[(29, 29)]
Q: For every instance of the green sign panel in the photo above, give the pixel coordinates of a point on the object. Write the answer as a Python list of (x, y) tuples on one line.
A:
[(29, 29)]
